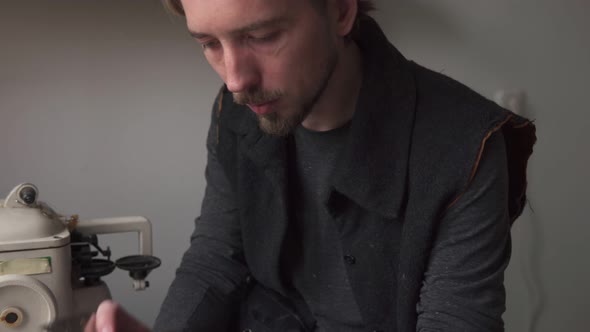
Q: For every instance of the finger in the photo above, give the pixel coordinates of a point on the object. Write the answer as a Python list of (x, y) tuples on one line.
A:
[(91, 324), (105, 316), (113, 318)]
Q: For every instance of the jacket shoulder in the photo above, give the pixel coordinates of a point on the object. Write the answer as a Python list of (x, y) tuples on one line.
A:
[(453, 124), (439, 96)]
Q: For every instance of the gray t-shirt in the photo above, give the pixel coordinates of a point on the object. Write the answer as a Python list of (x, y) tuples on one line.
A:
[(317, 269)]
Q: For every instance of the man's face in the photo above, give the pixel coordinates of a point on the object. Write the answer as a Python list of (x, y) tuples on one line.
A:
[(276, 56)]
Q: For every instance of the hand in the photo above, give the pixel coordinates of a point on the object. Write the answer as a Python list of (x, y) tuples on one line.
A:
[(111, 317)]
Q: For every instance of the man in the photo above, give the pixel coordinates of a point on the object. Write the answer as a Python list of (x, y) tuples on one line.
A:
[(348, 188)]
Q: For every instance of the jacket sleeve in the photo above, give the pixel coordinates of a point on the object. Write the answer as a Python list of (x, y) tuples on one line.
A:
[(463, 287), (205, 292)]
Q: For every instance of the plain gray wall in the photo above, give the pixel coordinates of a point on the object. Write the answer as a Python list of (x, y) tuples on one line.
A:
[(104, 105)]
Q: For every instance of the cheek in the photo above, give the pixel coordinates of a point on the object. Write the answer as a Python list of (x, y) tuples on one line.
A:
[(304, 72), (276, 74), (293, 69)]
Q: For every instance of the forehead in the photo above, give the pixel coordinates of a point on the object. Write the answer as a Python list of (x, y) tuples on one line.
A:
[(220, 16)]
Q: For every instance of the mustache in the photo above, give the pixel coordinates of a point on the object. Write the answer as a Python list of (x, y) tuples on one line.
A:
[(256, 97)]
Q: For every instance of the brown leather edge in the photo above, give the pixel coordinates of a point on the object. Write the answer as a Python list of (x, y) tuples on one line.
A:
[(478, 159)]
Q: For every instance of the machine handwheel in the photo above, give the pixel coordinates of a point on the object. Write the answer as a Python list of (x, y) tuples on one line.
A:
[(25, 304), (139, 266)]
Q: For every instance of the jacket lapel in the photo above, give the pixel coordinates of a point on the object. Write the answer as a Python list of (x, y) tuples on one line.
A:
[(373, 167), (262, 192)]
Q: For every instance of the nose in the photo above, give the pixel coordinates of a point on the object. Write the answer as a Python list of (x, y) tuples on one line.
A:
[(241, 72)]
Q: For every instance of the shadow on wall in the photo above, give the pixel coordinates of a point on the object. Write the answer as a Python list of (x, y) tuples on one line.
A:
[(438, 28), (425, 21)]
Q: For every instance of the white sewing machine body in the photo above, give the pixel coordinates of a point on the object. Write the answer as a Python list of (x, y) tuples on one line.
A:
[(48, 270)]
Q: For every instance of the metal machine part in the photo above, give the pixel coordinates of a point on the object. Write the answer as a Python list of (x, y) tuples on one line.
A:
[(50, 269)]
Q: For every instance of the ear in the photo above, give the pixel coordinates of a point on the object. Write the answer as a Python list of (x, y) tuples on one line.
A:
[(345, 15)]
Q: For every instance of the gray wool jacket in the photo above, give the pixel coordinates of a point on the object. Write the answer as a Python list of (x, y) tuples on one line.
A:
[(411, 164)]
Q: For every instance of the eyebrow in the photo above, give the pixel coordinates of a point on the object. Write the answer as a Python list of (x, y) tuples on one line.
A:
[(248, 28)]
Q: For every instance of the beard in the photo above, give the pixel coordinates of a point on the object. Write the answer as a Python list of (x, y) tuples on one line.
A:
[(282, 125)]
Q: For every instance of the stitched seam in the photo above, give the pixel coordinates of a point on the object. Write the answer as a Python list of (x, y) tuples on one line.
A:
[(520, 126)]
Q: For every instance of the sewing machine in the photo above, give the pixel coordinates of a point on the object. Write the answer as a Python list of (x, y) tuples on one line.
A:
[(50, 269)]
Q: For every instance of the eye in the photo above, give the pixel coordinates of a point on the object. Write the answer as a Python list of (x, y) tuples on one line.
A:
[(265, 38), (210, 45)]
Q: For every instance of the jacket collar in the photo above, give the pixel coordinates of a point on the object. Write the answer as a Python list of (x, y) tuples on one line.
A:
[(375, 163), (373, 168)]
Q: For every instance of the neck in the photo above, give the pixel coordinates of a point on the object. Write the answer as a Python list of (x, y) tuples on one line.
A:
[(337, 104)]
